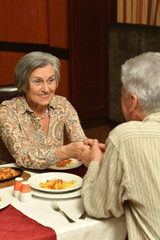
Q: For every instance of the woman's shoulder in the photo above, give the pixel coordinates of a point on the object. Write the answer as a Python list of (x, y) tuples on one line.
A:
[(12, 103), (12, 100), (59, 101), (59, 98)]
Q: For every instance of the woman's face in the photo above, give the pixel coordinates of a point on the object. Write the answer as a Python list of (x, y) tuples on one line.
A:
[(42, 86)]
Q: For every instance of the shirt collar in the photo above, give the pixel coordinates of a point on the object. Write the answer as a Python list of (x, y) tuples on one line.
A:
[(152, 117), (53, 103), (24, 107)]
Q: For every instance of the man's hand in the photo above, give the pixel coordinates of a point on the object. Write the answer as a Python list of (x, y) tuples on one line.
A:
[(92, 154), (89, 142)]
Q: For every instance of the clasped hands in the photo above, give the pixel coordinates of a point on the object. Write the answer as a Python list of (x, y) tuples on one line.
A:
[(91, 151), (86, 151)]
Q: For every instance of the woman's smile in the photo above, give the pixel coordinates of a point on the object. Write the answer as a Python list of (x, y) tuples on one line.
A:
[(42, 85), (44, 96)]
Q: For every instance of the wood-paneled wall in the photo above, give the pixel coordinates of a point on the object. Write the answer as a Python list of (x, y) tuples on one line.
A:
[(89, 57), (24, 21), (58, 19), (39, 25)]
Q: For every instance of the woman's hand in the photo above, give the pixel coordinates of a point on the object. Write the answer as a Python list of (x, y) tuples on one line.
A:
[(72, 150)]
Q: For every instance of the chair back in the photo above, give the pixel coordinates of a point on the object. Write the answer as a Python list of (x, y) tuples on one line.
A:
[(7, 92)]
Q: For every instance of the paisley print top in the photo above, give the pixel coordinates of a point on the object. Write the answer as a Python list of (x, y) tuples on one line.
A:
[(23, 135)]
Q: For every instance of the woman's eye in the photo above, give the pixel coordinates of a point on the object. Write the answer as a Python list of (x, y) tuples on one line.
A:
[(36, 81), (51, 80)]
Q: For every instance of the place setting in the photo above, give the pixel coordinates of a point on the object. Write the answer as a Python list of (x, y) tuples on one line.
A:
[(42, 212), (56, 185), (69, 188)]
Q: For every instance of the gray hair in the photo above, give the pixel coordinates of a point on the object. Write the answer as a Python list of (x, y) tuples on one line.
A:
[(141, 76), (28, 63)]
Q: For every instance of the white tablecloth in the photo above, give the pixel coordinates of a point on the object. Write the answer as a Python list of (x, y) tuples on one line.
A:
[(40, 210)]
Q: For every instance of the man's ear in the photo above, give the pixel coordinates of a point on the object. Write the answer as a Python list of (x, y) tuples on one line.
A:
[(133, 102)]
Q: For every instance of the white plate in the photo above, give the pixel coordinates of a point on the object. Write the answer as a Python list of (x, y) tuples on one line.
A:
[(65, 195), (35, 181), (6, 199), (75, 164)]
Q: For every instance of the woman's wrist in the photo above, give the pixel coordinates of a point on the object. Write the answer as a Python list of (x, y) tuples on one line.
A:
[(63, 153)]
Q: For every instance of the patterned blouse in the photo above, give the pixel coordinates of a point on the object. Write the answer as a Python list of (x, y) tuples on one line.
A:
[(24, 137)]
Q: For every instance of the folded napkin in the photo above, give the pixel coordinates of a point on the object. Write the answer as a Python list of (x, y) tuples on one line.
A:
[(15, 225)]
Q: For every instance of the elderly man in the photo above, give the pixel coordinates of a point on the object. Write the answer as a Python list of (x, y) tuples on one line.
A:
[(126, 177)]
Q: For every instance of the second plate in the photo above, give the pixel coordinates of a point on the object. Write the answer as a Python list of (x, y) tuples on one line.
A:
[(74, 164)]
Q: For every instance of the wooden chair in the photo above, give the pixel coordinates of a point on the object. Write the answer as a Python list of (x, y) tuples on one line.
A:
[(7, 92)]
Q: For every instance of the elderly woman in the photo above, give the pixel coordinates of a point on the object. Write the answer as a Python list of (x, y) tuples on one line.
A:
[(32, 125)]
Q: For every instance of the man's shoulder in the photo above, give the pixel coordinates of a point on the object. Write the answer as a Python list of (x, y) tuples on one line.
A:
[(127, 130), (134, 130), (128, 125)]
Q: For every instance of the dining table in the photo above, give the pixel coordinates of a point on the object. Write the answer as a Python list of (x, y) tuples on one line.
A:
[(39, 209)]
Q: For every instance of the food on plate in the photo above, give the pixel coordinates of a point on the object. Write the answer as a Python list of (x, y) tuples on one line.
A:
[(64, 163), (57, 184), (8, 173), (0, 199)]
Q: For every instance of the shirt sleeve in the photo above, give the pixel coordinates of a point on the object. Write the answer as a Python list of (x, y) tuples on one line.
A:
[(26, 152), (103, 186), (73, 127)]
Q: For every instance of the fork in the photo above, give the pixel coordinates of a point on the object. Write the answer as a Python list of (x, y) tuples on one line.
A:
[(57, 208)]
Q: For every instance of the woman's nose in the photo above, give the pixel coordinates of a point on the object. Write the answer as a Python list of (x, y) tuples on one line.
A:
[(45, 88)]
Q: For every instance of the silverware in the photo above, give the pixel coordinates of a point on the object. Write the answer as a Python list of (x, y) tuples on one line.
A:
[(83, 215), (57, 208)]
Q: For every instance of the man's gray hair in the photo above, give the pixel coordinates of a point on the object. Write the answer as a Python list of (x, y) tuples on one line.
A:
[(141, 76)]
